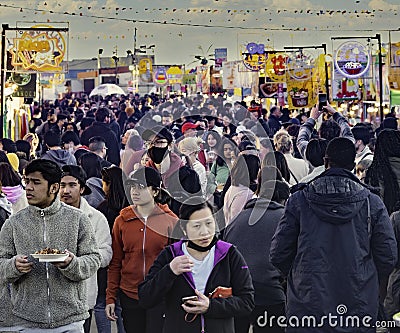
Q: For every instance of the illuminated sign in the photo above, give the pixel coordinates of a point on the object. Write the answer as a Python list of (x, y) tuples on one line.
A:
[(38, 50)]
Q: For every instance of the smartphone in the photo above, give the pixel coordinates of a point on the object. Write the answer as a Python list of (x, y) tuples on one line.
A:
[(189, 298), (322, 101)]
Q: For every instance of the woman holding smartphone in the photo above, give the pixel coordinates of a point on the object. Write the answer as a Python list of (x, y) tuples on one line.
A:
[(196, 266)]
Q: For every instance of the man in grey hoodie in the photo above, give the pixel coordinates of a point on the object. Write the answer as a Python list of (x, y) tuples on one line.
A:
[(47, 297), (54, 153)]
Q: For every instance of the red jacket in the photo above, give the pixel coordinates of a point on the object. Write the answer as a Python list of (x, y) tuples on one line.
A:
[(135, 246)]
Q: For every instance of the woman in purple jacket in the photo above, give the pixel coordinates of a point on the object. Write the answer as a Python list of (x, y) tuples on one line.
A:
[(196, 266)]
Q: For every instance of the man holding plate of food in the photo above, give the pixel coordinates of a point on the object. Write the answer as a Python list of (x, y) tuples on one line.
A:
[(47, 295)]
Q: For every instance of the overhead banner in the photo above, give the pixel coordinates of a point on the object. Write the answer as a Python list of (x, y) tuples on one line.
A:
[(220, 56), (230, 79), (175, 75), (352, 60), (39, 50), (203, 79), (216, 81), (145, 65)]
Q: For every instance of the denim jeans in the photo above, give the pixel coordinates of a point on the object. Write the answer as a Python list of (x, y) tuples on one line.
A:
[(103, 324)]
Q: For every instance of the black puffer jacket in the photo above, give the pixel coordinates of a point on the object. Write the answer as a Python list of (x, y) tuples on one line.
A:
[(333, 256)]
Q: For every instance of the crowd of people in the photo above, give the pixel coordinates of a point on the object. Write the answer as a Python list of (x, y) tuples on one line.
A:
[(198, 215)]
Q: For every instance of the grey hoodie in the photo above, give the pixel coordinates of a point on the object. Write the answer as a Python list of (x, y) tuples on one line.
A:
[(60, 156), (48, 297)]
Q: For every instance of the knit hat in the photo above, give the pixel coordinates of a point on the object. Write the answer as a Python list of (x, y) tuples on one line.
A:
[(14, 161)]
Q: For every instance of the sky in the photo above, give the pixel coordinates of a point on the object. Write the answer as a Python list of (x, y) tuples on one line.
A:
[(181, 29)]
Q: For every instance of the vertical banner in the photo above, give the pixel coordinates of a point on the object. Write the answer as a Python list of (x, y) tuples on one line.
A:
[(220, 55), (299, 94), (203, 79), (216, 81), (145, 65), (230, 79)]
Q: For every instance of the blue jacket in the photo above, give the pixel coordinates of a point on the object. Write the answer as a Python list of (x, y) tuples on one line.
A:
[(334, 258), (230, 270)]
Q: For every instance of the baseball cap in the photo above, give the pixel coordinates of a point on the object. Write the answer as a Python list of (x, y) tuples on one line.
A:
[(77, 172), (159, 131), (188, 125), (146, 176)]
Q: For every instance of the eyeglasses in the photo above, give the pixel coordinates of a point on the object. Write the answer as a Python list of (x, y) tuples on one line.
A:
[(156, 143)]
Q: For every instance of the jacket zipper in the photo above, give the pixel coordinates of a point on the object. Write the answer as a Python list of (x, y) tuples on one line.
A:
[(47, 267), (143, 245)]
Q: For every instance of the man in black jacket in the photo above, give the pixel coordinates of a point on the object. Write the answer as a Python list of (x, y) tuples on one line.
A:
[(273, 120), (336, 244), (177, 178), (100, 127)]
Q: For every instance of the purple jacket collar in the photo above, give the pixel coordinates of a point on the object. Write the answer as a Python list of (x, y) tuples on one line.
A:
[(221, 250)]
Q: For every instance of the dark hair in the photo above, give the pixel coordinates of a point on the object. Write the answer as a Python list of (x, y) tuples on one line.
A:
[(329, 129), (50, 170), (3, 157), (271, 185), (380, 171), (116, 197), (220, 160), (341, 153), (245, 170), (70, 136), (361, 132), (23, 146), (216, 136), (315, 152), (96, 143), (191, 205), (8, 145), (90, 162), (277, 159), (101, 114), (8, 176)]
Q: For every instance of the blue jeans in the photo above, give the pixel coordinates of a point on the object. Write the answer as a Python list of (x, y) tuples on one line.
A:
[(103, 324)]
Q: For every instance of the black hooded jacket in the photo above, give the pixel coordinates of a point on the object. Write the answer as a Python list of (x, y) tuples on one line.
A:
[(336, 244)]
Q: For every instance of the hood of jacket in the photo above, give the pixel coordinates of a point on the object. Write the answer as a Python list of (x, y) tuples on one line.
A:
[(129, 214), (262, 203), (336, 196), (5, 204), (13, 193), (221, 250), (60, 156)]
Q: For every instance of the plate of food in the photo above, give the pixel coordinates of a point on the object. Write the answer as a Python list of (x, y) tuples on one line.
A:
[(50, 255)]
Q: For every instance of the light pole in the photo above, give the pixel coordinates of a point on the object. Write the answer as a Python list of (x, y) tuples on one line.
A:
[(116, 59), (99, 53)]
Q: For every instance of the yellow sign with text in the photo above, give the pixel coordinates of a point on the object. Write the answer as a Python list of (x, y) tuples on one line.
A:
[(39, 50)]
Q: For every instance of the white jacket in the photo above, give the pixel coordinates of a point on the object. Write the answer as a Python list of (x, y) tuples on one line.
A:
[(103, 239)]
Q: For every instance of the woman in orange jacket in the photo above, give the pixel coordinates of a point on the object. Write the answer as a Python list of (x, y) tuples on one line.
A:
[(139, 234)]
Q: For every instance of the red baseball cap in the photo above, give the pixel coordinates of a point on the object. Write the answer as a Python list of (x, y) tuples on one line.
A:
[(187, 126)]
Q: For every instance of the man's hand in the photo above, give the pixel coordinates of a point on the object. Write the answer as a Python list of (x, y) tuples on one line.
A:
[(199, 306), (181, 265), (22, 264), (110, 312), (314, 114), (66, 262), (329, 109)]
